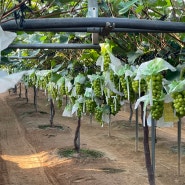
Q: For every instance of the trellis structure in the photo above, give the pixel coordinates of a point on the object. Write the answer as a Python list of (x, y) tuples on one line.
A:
[(97, 24), (102, 26)]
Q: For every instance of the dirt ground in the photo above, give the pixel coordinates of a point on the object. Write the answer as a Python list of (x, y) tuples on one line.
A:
[(29, 155)]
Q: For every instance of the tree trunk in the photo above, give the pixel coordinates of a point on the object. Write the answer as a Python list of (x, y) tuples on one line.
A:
[(148, 163), (20, 90), (52, 112), (77, 136), (26, 94), (131, 112), (66, 99), (35, 97), (15, 89)]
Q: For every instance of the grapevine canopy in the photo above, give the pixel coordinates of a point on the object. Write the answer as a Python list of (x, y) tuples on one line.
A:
[(134, 29)]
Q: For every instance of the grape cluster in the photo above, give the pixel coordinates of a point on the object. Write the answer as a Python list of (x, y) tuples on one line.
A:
[(143, 86), (79, 88), (25, 79), (32, 80), (157, 109), (114, 104), (80, 110), (72, 99), (111, 75), (106, 62), (67, 91), (108, 93), (179, 103), (157, 90), (89, 62), (115, 79), (157, 86), (52, 90), (43, 82), (90, 105), (62, 89), (59, 103), (125, 90), (98, 114), (96, 85)]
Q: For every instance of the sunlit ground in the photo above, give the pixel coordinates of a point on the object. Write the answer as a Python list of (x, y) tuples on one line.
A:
[(35, 160)]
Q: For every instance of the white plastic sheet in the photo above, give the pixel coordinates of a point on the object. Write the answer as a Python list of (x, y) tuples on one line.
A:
[(67, 111), (110, 85), (6, 38), (9, 81), (3, 73), (151, 67)]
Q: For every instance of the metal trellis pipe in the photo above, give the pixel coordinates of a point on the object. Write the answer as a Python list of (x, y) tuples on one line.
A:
[(103, 22), (153, 140), (54, 46), (21, 57), (179, 145), (95, 30), (93, 12)]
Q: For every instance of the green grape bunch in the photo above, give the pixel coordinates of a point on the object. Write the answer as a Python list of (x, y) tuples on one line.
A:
[(107, 61), (96, 86), (79, 88), (114, 104), (59, 103), (157, 91), (157, 109), (80, 110), (42, 82), (98, 114), (142, 86), (32, 79), (109, 93), (131, 92), (157, 87), (62, 89), (67, 91), (72, 99), (25, 79), (90, 105), (115, 79), (179, 103), (89, 62), (52, 90)]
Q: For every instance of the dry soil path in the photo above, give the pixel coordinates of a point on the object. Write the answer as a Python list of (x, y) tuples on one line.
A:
[(26, 152), (19, 163)]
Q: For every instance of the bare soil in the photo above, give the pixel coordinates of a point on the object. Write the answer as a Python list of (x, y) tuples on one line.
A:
[(29, 155)]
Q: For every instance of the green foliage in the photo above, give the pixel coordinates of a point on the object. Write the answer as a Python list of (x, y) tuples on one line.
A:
[(125, 6), (130, 48), (49, 126), (85, 153)]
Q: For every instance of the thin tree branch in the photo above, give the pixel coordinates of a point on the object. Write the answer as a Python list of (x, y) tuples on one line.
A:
[(13, 9), (173, 10)]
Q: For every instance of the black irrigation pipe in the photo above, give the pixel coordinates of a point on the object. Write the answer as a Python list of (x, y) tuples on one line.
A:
[(103, 22), (95, 30), (54, 46)]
